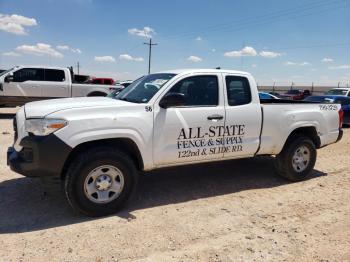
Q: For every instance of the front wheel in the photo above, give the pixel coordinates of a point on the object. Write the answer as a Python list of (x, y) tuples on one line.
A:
[(100, 181), (297, 159)]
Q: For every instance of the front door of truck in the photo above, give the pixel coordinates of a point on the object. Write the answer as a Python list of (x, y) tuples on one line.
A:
[(192, 132), (243, 117)]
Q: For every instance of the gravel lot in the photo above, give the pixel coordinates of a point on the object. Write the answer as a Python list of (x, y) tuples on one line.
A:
[(230, 211)]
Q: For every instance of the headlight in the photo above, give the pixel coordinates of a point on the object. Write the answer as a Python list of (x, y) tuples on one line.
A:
[(44, 127)]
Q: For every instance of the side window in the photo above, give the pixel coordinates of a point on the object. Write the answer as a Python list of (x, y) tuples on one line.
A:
[(28, 74), (198, 90), (54, 75), (238, 90)]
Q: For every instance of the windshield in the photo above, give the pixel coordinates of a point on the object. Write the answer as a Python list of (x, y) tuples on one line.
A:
[(5, 72), (144, 88), (337, 92)]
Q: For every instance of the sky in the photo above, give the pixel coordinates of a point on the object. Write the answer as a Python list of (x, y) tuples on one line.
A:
[(277, 41)]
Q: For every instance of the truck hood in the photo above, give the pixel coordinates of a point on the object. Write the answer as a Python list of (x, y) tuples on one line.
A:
[(43, 108)]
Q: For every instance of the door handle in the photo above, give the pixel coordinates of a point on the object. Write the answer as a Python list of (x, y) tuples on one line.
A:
[(215, 117)]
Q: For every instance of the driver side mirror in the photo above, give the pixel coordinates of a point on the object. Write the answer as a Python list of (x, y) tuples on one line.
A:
[(171, 100), (8, 78)]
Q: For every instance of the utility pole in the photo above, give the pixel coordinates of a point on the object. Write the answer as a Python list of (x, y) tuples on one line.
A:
[(78, 66), (150, 44)]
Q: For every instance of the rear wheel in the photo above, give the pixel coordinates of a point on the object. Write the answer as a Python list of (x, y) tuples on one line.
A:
[(297, 159), (100, 181)]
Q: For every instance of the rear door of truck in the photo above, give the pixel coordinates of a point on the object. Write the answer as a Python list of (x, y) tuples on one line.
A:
[(56, 84), (243, 120)]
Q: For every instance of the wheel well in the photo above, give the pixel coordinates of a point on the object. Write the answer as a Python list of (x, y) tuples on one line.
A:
[(309, 132), (125, 145), (97, 93)]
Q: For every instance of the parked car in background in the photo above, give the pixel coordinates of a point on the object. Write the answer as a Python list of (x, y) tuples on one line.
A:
[(102, 81), (124, 83), (23, 84), (295, 94), (119, 86), (343, 100), (264, 95), (275, 94), (340, 91), (115, 91)]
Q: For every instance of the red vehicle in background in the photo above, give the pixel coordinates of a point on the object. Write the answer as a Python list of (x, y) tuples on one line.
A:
[(295, 94), (102, 81)]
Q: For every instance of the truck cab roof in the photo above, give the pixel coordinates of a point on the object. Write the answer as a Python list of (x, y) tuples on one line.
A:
[(41, 66), (210, 70)]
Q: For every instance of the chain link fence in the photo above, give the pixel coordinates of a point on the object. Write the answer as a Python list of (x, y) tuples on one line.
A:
[(315, 90)]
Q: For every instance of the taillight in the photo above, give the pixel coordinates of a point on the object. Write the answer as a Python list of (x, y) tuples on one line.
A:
[(341, 117)]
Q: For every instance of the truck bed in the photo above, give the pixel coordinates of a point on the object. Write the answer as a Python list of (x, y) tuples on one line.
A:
[(285, 101), (280, 116)]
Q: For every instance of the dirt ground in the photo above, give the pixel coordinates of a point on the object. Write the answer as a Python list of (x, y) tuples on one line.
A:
[(229, 211)]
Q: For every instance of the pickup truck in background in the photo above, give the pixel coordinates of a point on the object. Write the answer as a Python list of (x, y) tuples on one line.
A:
[(23, 84), (101, 81), (98, 146), (295, 94)]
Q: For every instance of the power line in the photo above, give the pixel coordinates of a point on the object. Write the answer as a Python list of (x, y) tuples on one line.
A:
[(264, 19), (150, 44), (234, 22)]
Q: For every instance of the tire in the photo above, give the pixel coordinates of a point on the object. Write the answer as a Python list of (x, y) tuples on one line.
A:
[(109, 172), (297, 158), (97, 94)]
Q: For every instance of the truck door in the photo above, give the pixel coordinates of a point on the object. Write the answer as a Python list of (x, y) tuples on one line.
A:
[(56, 84), (243, 117), (190, 133), (26, 83)]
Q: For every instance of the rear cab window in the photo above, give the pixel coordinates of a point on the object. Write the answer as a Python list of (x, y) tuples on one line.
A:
[(54, 75), (238, 90)]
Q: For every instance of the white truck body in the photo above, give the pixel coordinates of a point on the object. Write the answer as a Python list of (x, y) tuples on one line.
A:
[(156, 136), (31, 83)]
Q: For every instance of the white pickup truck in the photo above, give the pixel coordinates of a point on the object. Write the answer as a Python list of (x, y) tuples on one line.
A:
[(99, 145), (23, 84)]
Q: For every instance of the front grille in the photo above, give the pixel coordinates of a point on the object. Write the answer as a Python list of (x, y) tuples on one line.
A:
[(15, 129)]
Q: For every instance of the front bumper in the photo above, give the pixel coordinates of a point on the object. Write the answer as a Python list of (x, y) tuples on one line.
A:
[(39, 156)]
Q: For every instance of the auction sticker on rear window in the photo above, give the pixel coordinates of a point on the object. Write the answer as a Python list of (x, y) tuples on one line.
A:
[(328, 107)]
